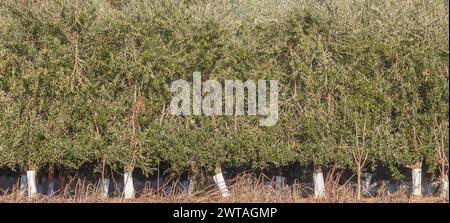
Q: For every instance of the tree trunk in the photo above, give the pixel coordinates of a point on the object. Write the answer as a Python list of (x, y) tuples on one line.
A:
[(366, 184), (220, 182), (103, 187), (51, 182), (280, 180), (417, 179), (31, 182), (51, 188), (358, 190), (319, 186), (23, 186), (193, 179), (444, 186), (128, 183)]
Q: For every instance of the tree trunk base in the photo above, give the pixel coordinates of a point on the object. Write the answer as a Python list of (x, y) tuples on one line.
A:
[(220, 182), (128, 190), (319, 186), (417, 182), (444, 187), (23, 186)]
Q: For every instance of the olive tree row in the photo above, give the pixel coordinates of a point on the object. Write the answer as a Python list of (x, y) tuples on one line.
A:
[(361, 84)]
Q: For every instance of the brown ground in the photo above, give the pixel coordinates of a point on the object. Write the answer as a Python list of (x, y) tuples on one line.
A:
[(244, 189)]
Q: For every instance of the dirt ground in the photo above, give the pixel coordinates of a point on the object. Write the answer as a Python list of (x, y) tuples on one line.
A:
[(243, 189)]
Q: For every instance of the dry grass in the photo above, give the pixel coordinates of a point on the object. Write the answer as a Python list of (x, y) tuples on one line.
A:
[(245, 188)]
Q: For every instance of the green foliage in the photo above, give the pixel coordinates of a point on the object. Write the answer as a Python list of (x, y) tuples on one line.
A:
[(88, 82)]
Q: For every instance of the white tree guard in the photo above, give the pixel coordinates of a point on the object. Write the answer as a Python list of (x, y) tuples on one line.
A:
[(319, 186), (23, 186), (128, 185), (417, 182), (444, 182), (31, 179), (220, 182), (104, 187), (280, 182)]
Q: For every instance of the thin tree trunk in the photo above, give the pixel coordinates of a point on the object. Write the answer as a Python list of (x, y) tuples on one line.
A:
[(417, 179), (444, 186), (193, 179), (51, 182), (280, 180), (220, 181), (319, 185), (23, 185), (31, 182), (358, 192), (128, 183)]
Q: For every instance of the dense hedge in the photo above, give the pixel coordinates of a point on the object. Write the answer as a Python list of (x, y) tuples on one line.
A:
[(362, 83)]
